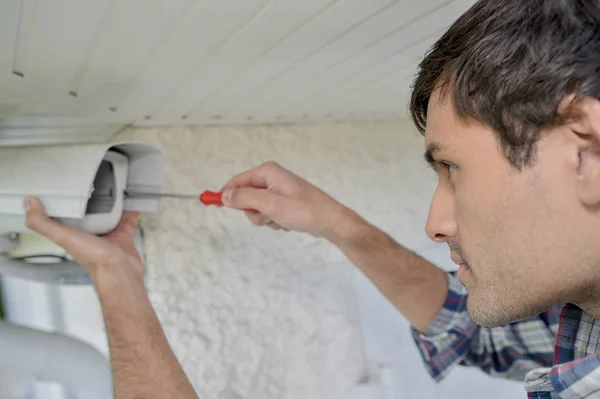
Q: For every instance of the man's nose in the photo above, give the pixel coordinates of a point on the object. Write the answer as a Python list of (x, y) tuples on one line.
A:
[(441, 222)]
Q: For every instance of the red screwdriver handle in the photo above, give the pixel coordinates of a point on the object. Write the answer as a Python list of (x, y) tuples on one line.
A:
[(212, 198)]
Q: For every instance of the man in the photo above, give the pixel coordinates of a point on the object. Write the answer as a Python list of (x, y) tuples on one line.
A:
[(509, 104)]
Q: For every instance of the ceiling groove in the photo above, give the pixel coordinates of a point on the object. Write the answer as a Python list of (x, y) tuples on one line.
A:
[(384, 83), (16, 37), (245, 50), (87, 60), (305, 84), (421, 45), (222, 45), (190, 46), (308, 93), (376, 62), (372, 95), (286, 70), (25, 27), (188, 13), (300, 28)]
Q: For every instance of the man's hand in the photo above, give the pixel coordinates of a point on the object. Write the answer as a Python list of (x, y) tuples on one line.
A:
[(285, 201), (116, 249), (143, 364)]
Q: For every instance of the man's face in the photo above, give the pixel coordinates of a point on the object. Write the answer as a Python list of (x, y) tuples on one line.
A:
[(521, 235)]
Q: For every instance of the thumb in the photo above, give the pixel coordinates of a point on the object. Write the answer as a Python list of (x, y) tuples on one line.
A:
[(35, 214), (263, 200), (38, 221)]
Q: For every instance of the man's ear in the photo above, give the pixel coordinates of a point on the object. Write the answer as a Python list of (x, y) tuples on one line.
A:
[(583, 120)]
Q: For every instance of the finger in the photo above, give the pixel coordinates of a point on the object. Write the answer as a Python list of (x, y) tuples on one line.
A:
[(274, 226), (264, 201), (74, 241), (259, 177), (258, 219)]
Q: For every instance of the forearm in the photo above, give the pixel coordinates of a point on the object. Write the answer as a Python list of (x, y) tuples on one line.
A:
[(414, 286), (143, 364)]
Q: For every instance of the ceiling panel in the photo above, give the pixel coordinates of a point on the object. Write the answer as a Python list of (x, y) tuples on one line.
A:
[(280, 21), (132, 37), (312, 36), (387, 31), (395, 51), (56, 36), (341, 90), (154, 62)]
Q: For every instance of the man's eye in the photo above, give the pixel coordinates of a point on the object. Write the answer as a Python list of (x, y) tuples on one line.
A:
[(449, 167)]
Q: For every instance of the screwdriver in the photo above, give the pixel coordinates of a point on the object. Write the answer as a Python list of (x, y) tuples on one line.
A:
[(207, 197)]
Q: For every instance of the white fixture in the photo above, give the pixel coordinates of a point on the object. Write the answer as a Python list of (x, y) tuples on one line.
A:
[(82, 185)]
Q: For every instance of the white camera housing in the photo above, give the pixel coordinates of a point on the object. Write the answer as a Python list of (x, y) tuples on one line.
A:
[(105, 205), (79, 185)]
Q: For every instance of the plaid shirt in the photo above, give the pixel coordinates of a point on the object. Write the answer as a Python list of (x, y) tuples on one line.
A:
[(555, 353)]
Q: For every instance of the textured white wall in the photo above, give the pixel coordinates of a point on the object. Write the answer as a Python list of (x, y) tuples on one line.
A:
[(254, 313)]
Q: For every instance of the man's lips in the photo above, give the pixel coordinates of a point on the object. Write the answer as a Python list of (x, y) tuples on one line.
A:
[(457, 259)]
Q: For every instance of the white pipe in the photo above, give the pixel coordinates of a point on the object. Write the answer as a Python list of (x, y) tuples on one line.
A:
[(81, 369)]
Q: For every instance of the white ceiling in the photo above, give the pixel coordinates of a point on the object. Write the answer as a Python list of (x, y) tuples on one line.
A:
[(154, 62)]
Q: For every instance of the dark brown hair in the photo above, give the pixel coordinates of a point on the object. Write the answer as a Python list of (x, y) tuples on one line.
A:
[(509, 63)]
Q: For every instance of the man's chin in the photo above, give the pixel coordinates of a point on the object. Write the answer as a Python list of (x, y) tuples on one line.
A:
[(489, 315), (484, 320), (495, 314)]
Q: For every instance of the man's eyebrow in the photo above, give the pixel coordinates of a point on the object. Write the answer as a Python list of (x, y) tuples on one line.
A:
[(430, 153)]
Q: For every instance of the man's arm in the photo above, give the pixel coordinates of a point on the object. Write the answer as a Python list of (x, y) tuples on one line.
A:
[(413, 285), (286, 201), (143, 364)]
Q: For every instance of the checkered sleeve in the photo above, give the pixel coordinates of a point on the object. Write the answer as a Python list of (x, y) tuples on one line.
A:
[(510, 352)]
